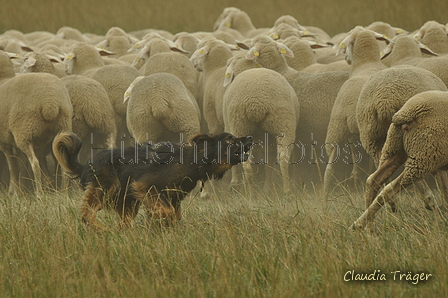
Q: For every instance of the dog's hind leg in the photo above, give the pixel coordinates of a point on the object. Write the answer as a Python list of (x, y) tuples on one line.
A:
[(91, 205)]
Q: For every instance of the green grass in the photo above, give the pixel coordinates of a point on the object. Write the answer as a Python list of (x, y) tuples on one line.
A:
[(229, 246), (196, 15)]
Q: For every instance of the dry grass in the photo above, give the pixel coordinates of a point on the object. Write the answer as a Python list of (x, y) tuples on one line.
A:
[(195, 15), (231, 246), (234, 245)]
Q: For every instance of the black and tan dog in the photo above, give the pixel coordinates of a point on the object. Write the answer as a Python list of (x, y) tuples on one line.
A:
[(158, 176)]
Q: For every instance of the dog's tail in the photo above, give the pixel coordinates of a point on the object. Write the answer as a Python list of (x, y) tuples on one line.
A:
[(66, 147)]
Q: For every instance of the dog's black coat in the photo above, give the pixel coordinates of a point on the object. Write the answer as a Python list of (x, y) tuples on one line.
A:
[(158, 175)]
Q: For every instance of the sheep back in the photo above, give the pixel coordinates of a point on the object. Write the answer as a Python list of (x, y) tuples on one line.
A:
[(35, 106), (383, 95), (160, 108)]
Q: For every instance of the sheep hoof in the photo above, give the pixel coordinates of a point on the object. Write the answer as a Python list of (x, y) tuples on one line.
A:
[(356, 226), (205, 195), (393, 207)]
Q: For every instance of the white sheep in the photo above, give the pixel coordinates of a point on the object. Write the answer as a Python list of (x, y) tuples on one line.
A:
[(176, 64), (364, 57), (86, 59), (35, 108), (116, 79), (284, 30), (381, 97), (211, 58), (405, 49), (68, 32), (416, 138), (6, 67), (409, 51), (38, 62), (161, 109), (261, 101), (305, 58), (316, 32), (150, 45), (235, 18), (83, 58), (93, 115), (316, 93), (117, 41), (435, 36)]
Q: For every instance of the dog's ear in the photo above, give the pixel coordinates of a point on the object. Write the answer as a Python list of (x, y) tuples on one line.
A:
[(202, 137)]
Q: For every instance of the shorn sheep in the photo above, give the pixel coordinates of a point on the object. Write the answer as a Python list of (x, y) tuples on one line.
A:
[(93, 115), (315, 102), (416, 138), (363, 54), (381, 97), (35, 108), (211, 58), (161, 109), (261, 101)]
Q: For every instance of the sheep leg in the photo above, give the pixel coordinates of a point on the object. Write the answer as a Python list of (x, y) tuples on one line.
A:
[(422, 187), (284, 156), (356, 172), (380, 176), (235, 181), (366, 219), (35, 166), (329, 175), (442, 181), (13, 169), (248, 176)]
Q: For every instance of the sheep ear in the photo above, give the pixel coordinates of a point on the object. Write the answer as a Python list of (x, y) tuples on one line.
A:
[(199, 53), (252, 53), (284, 50), (24, 47), (386, 51), (176, 48), (104, 52), (273, 35), (29, 62), (143, 54), (306, 33), (54, 59), (418, 35), (317, 45), (69, 60), (425, 49), (103, 45), (343, 45), (381, 37), (399, 31), (127, 93), (228, 78), (12, 55), (242, 45)]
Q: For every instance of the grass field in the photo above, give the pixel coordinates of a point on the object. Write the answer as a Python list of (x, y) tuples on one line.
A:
[(229, 246), (232, 245)]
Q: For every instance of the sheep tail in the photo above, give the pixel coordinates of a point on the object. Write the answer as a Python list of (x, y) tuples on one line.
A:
[(50, 111), (160, 109), (255, 111), (66, 147)]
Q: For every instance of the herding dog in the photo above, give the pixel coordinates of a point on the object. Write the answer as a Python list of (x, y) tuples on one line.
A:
[(158, 176)]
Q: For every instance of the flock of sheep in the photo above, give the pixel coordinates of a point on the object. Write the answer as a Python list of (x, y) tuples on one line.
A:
[(379, 86)]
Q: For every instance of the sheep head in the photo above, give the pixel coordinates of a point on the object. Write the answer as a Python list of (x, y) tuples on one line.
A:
[(346, 45)]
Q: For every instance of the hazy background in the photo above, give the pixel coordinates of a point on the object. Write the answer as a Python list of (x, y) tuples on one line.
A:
[(199, 15)]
